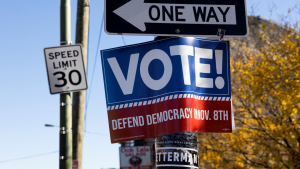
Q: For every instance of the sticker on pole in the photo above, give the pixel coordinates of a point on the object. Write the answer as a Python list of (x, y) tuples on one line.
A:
[(167, 86), (176, 157), (65, 68)]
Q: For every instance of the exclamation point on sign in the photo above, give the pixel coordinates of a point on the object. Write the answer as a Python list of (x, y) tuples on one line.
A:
[(219, 60)]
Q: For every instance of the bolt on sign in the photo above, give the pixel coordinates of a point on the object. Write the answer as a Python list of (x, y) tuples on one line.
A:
[(138, 157), (65, 69), (176, 17), (167, 86)]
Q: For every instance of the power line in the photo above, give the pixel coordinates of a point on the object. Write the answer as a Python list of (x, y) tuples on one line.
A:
[(38, 155), (123, 40), (21, 158), (51, 125), (88, 99)]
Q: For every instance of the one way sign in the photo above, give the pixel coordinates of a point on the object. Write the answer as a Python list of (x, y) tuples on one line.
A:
[(176, 17)]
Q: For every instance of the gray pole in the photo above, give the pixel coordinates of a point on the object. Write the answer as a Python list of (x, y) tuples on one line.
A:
[(65, 137), (82, 32)]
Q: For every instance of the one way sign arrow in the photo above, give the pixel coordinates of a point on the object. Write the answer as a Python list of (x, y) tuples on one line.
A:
[(138, 13), (166, 18)]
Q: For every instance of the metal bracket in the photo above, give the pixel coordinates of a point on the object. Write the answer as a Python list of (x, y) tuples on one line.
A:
[(66, 42), (64, 128), (66, 104)]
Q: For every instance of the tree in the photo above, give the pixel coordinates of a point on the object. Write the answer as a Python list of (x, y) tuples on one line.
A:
[(266, 102)]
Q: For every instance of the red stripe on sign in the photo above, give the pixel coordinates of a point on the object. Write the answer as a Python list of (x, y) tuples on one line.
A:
[(170, 116)]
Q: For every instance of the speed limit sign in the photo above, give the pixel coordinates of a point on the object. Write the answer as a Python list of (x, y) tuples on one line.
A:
[(65, 68)]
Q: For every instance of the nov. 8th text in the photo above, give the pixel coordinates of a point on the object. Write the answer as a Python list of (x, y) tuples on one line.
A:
[(172, 114)]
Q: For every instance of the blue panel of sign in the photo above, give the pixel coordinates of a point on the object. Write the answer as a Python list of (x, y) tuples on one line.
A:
[(166, 67)]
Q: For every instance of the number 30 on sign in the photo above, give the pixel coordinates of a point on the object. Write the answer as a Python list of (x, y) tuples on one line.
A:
[(65, 67)]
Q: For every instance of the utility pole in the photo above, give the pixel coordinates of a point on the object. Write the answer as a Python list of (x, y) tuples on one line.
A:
[(82, 32), (65, 137)]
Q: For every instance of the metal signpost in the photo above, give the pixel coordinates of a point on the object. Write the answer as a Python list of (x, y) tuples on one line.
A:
[(65, 68), (176, 18)]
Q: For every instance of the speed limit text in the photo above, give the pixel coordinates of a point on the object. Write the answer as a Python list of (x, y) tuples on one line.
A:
[(67, 55)]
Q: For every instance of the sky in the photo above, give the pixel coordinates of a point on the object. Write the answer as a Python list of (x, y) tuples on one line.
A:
[(26, 28)]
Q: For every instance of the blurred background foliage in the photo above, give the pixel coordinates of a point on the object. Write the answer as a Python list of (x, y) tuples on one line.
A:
[(265, 76)]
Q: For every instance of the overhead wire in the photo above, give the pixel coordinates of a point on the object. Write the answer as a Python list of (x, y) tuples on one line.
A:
[(89, 93), (38, 155), (123, 40), (21, 158)]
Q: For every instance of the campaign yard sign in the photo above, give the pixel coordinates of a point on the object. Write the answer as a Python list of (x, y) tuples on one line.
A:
[(167, 86), (138, 157)]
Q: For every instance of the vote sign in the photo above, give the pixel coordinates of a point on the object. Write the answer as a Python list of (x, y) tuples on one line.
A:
[(65, 69), (167, 86), (176, 17)]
